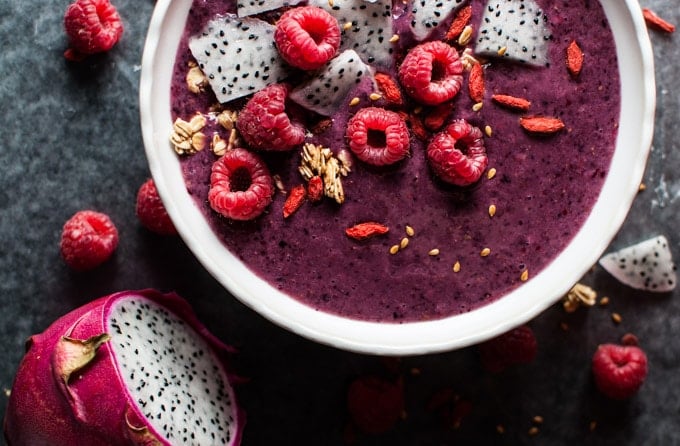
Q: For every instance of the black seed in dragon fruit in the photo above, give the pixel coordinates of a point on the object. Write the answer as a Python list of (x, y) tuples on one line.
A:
[(647, 265), (238, 56), (516, 30), (366, 28), (246, 8), (426, 15), (325, 92)]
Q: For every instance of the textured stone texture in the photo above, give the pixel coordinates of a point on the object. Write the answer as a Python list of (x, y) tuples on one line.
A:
[(71, 140)]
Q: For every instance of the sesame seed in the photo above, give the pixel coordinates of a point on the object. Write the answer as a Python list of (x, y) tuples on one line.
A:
[(394, 249), (485, 252), (616, 317), (524, 276), (403, 243), (354, 101), (374, 96), (492, 210), (456, 267), (491, 173), (488, 131), (410, 231), (502, 51), (477, 107), (433, 252), (604, 301), (465, 36), (394, 38)]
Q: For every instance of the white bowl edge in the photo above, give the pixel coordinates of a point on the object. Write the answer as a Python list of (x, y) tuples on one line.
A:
[(521, 305)]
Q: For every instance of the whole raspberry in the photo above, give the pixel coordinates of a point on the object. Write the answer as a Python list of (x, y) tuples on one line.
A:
[(151, 211), (88, 239), (240, 185), (432, 73), (517, 346), (375, 404), (457, 155), (92, 26), (619, 370), (307, 37), (378, 136), (264, 124)]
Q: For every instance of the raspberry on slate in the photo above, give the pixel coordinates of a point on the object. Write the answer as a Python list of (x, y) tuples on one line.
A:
[(264, 124), (432, 73), (92, 26), (375, 404), (517, 346), (307, 37), (240, 185), (378, 136), (619, 370), (88, 239), (151, 211), (457, 155)]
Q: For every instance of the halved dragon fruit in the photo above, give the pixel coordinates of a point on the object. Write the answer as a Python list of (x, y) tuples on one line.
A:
[(366, 28), (238, 56), (514, 29), (426, 15), (325, 92), (647, 265), (134, 367), (246, 8)]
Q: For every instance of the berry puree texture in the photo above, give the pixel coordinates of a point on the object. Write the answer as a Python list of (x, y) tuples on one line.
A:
[(459, 256)]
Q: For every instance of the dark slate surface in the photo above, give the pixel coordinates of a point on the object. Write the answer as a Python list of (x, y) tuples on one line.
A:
[(70, 140)]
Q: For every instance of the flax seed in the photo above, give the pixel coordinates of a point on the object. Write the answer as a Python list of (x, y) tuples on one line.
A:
[(604, 301), (616, 317)]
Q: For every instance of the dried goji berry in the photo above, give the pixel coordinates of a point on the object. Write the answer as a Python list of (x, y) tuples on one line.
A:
[(541, 124), (460, 21), (511, 101), (476, 83), (315, 188), (296, 197), (389, 88), (366, 230), (435, 118), (417, 127), (654, 21), (574, 58)]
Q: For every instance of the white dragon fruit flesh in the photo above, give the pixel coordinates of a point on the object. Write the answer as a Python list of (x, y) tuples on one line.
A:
[(370, 31), (131, 368), (246, 8), (647, 265), (238, 56), (516, 29), (426, 15), (329, 87)]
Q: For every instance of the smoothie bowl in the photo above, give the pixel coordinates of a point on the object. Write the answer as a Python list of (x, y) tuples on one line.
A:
[(377, 213)]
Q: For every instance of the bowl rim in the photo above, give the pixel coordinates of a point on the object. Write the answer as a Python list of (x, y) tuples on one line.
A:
[(636, 68)]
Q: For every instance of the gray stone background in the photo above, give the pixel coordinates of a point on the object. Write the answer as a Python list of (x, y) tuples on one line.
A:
[(71, 140)]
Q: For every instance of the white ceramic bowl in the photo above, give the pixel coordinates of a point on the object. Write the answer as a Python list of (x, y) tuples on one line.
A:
[(620, 187)]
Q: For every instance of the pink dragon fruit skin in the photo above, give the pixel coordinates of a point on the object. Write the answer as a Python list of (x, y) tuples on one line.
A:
[(61, 397)]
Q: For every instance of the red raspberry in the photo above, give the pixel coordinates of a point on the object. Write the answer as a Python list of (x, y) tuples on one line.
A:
[(432, 73), (240, 185), (88, 239), (151, 212), (92, 26), (457, 155), (264, 124), (378, 136), (375, 404), (619, 370), (517, 346), (307, 37)]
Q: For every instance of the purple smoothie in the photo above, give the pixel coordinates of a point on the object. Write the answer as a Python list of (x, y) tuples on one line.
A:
[(544, 189)]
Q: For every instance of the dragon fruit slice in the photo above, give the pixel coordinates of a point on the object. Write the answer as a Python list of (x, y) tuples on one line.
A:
[(518, 26), (370, 31), (325, 92), (647, 265), (246, 8), (135, 367), (238, 56), (426, 15)]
